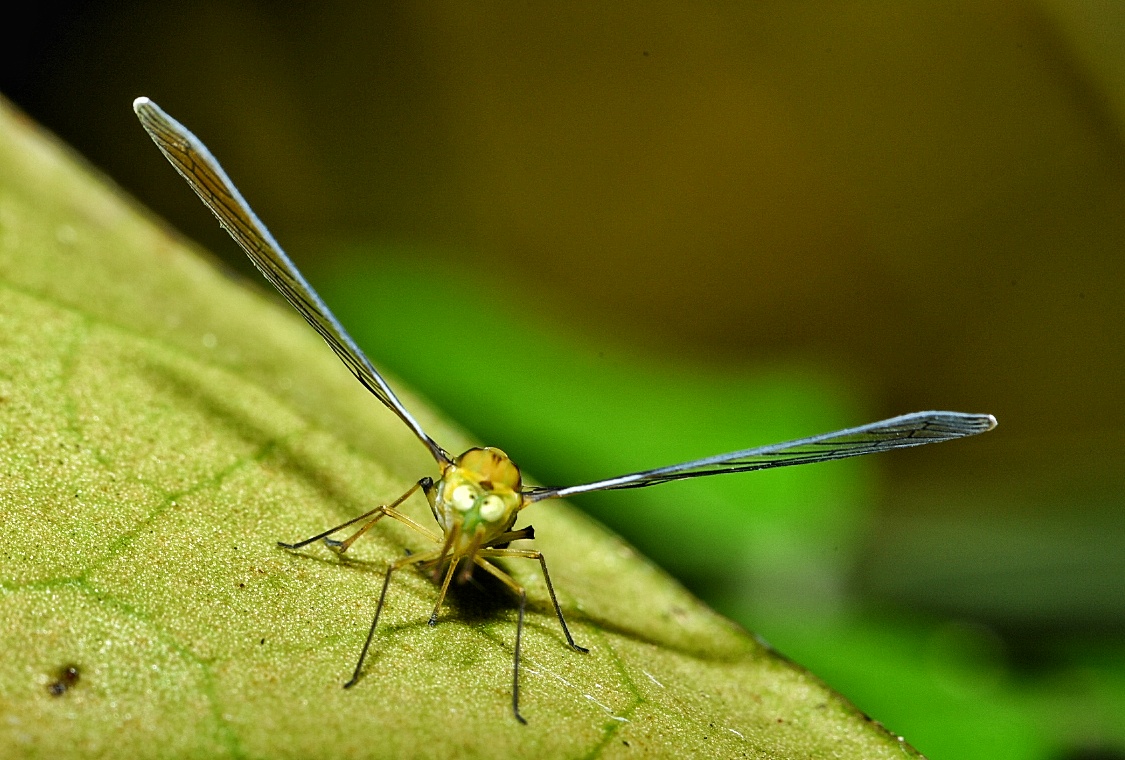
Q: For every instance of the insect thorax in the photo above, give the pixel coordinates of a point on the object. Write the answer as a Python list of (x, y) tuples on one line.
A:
[(481, 489)]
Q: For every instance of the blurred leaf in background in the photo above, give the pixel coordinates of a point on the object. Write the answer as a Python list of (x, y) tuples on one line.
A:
[(746, 222)]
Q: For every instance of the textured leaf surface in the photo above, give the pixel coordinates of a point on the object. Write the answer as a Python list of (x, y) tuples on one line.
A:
[(161, 427)]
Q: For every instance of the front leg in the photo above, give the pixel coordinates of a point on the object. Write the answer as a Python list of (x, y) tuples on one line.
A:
[(377, 514)]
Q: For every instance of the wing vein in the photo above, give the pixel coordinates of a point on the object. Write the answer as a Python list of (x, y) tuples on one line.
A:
[(194, 162), (907, 430)]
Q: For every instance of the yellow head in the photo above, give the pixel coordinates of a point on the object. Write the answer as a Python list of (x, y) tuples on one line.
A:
[(481, 489)]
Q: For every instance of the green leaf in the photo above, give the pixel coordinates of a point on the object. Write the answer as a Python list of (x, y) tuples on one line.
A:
[(161, 427)]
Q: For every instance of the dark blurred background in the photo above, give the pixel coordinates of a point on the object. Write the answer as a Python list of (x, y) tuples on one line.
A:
[(607, 237)]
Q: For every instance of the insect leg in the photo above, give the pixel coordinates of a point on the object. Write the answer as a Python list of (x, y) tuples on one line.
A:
[(444, 588), (396, 565), (471, 553), (330, 531), (378, 512), (394, 514), (502, 541), (451, 536), (389, 511), (516, 661), (342, 546), (528, 554), (510, 582)]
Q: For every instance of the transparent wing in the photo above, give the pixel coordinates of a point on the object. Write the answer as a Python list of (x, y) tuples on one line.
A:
[(896, 433), (195, 163)]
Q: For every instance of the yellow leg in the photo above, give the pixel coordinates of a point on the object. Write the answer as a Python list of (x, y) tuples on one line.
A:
[(386, 510), (342, 546), (444, 588), (510, 582), (450, 537), (471, 553)]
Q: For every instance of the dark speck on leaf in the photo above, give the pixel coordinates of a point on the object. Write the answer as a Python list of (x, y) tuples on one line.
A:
[(65, 679)]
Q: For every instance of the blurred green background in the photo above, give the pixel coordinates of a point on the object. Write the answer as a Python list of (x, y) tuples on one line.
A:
[(607, 237)]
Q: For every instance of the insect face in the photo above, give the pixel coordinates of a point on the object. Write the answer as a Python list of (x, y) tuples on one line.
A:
[(480, 491)]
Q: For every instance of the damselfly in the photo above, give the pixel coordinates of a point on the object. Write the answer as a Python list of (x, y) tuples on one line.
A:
[(478, 495)]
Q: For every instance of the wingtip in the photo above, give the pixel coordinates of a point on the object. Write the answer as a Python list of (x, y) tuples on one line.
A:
[(970, 423), (140, 104)]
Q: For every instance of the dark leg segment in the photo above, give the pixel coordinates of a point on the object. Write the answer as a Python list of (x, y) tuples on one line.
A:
[(528, 554), (397, 565), (558, 609), (522, 594), (330, 531), (516, 662), (385, 510), (371, 632)]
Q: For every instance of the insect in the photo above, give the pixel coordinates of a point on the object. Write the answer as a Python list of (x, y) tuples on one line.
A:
[(478, 495)]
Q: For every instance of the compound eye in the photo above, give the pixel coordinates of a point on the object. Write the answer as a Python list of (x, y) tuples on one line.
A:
[(462, 498), (492, 508)]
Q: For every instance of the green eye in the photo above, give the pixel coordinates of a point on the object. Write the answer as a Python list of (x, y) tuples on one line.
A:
[(492, 508), (462, 498)]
